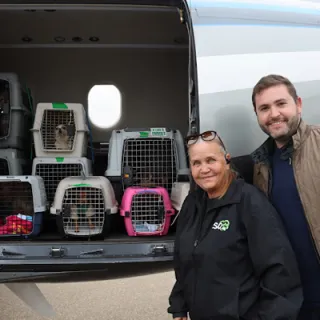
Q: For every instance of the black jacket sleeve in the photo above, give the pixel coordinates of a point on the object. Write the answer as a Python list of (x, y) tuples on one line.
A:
[(273, 259), (178, 307)]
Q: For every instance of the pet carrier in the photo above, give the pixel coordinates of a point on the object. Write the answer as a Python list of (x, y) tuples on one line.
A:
[(179, 192), (15, 114), (53, 170), (82, 206), (147, 157), (13, 163), (146, 211), (60, 129), (22, 205)]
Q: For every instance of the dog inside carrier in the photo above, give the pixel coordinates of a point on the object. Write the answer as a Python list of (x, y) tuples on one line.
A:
[(21, 206), (60, 128), (53, 170), (146, 211), (83, 208)]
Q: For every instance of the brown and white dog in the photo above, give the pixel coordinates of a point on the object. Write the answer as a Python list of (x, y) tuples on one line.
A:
[(62, 139)]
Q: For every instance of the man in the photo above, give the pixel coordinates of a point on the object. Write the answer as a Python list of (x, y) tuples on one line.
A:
[(287, 170)]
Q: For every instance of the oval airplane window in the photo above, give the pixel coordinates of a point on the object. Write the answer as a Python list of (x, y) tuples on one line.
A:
[(104, 105)]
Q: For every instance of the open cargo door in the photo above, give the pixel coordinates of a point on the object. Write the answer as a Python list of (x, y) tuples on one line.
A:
[(62, 256), (33, 260)]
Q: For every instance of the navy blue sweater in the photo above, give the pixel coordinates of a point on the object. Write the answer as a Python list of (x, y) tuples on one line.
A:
[(286, 200)]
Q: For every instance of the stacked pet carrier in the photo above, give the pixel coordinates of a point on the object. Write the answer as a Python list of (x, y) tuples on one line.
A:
[(15, 123), (21, 196), (84, 206), (60, 140), (60, 135), (22, 205), (143, 165)]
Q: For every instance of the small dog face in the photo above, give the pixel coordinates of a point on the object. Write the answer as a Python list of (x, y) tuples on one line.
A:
[(61, 130), (62, 141)]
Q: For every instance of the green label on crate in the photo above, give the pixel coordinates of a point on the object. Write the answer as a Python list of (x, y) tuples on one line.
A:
[(59, 105), (158, 132), (82, 185), (144, 134), (59, 159)]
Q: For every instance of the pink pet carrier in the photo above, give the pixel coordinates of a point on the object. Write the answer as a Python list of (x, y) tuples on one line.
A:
[(146, 211)]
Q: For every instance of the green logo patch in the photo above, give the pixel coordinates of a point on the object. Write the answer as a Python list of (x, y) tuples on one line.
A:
[(223, 225)]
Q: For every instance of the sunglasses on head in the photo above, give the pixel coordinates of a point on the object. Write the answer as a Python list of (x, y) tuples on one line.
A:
[(205, 136)]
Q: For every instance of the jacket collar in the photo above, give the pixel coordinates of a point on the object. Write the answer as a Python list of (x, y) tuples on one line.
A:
[(232, 196), (263, 153)]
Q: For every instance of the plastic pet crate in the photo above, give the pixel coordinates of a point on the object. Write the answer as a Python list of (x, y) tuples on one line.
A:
[(147, 157), (83, 206), (179, 192), (22, 205), (60, 129), (53, 170), (146, 211), (12, 163), (15, 114)]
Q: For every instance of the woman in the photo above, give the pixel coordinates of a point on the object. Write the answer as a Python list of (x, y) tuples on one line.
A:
[(232, 257)]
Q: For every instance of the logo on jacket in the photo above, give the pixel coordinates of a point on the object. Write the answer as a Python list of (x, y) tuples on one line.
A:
[(223, 225)]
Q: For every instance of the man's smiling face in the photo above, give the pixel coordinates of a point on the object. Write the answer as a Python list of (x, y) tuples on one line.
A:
[(278, 113)]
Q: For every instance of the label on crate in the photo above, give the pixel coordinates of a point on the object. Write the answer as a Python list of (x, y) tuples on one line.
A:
[(144, 134), (59, 159), (158, 132), (82, 185), (59, 105)]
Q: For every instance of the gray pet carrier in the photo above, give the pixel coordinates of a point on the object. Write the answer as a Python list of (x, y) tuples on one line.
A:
[(147, 157), (53, 170), (15, 114), (13, 163)]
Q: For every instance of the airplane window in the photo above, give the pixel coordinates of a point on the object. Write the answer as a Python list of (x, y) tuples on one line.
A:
[(104, 105)]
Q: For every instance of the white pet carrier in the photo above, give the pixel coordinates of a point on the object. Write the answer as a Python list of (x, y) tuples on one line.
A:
[(179, 192), (15, 114), (83, 206), (53, 170), (60, 129), (13, 163), (22, 206), (147, 157)]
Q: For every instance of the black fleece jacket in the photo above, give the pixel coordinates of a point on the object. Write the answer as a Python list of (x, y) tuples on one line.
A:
[(233, 259)]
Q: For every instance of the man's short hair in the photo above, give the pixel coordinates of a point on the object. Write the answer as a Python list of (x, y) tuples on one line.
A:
[(273, 80)]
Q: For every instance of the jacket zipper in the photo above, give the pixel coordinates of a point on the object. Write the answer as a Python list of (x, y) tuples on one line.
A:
[(195, 244)]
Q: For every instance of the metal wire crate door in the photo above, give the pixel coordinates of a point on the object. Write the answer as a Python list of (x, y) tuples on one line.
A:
[(147, 212), (149, 162), (57, 122), (53, 173), (83, 211)]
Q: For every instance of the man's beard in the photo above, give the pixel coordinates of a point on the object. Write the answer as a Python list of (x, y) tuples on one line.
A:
[(284, 135)]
